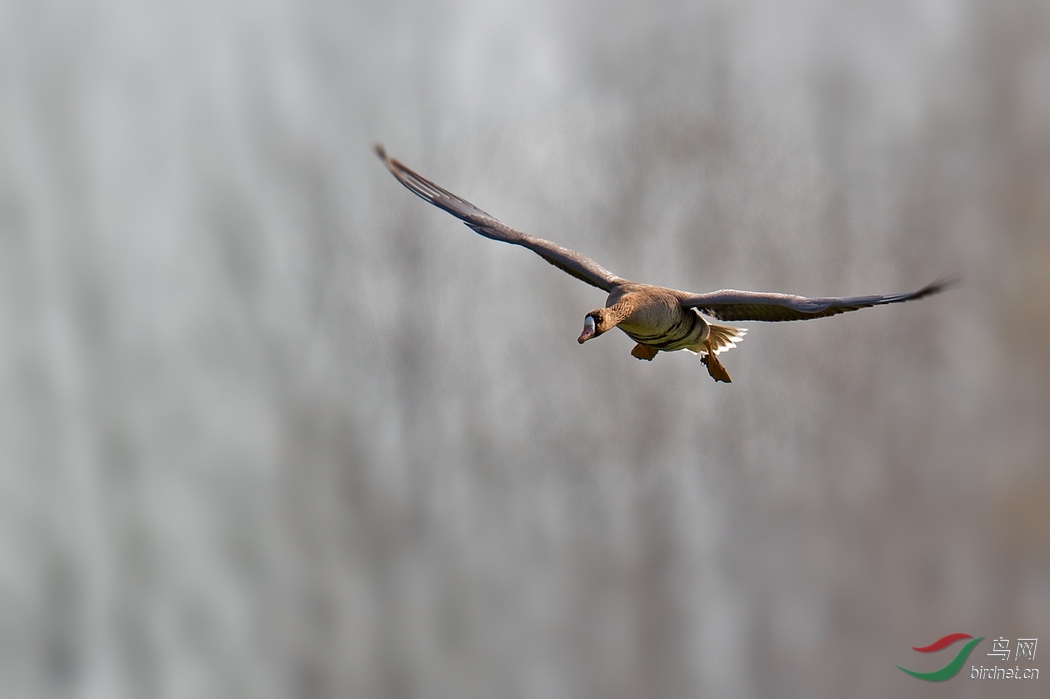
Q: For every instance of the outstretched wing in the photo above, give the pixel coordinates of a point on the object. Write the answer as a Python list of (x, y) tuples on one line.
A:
[(579, 266), (729, 304)]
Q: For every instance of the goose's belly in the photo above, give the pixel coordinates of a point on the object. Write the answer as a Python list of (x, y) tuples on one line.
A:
[(669, 331)]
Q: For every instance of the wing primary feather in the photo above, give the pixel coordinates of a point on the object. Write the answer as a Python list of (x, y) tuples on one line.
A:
[(730, 304), (579, 266)]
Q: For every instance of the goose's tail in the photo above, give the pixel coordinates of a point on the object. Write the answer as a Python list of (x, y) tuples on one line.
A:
[(722, 338)]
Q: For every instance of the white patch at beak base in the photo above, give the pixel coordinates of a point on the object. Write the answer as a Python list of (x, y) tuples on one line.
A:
[(588, 329)]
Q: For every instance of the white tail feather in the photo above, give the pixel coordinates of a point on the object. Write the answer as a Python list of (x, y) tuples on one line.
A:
[(722, 338)]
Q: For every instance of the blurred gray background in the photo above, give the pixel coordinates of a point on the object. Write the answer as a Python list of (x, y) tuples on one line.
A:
[(270, 426)]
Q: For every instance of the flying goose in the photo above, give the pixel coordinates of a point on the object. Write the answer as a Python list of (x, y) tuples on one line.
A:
[(657, 318)]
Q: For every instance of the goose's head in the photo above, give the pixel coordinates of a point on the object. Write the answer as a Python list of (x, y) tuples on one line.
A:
[(597, 322)]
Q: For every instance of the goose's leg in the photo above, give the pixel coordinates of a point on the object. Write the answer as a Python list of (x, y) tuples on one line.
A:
[(714, 367), (644, 352)]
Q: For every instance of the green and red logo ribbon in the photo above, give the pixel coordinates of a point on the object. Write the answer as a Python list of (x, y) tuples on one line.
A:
[(951, 669)]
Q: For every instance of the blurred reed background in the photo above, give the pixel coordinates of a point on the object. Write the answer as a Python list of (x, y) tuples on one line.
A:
[(272, 427)]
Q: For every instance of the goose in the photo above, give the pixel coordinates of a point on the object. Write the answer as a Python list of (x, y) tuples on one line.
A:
[(657, 318)]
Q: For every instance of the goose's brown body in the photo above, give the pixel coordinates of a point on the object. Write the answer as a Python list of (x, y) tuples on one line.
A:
[(657, 318), (654, 317)]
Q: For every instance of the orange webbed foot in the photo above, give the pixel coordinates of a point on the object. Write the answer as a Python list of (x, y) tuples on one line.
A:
[(644, 352), (714, 367)]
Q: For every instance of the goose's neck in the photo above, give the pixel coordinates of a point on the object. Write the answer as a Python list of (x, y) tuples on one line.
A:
[(621, 310)]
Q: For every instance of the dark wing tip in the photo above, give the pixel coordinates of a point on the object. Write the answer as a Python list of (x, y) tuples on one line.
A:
[(391, 163), (944, 283), (948, 281)]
